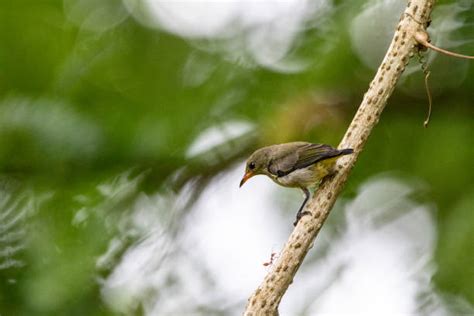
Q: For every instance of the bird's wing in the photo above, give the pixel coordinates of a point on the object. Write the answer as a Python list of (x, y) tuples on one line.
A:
[(299, 157), (312, 153)]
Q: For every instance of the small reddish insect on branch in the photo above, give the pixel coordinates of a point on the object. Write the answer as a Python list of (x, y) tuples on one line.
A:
[(272, 258)]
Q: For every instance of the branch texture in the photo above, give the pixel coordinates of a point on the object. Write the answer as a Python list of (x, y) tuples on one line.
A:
[(266, 299)]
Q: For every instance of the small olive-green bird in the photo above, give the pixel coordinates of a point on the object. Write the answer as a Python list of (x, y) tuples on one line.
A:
[(295, 165)]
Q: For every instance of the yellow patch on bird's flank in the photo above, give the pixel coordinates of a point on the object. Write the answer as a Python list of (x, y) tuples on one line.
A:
[(324, 167)]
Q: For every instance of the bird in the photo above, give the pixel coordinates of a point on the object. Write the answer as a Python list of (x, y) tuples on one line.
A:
[(296, 165)]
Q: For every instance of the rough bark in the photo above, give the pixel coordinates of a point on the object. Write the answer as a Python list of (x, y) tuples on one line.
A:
[(266, 299)]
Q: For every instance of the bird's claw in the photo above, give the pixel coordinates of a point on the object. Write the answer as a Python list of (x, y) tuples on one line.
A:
[(299, 215)]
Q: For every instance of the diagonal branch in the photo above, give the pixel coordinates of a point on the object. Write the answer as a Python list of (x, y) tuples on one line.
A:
[(265, 300)]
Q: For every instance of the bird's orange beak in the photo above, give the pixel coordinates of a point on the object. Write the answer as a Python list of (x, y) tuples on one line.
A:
[(247, 175)]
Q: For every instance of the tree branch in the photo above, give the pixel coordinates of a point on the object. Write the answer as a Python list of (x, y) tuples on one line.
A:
[(267, 297)]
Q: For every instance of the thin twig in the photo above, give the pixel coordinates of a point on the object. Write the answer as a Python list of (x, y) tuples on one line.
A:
[(423, 39), (427, 87), (424, 68)]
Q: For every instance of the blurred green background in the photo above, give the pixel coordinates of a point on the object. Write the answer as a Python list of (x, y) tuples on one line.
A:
[(82, 102)]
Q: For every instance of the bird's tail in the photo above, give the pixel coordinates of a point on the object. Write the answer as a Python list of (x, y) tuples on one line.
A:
[(346, 151)]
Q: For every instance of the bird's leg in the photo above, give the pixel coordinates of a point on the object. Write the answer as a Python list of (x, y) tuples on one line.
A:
[(300, 211)]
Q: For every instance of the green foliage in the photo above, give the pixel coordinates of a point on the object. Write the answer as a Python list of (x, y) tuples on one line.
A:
[(78, 107)]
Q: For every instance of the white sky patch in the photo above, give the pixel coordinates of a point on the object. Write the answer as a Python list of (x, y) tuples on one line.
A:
[(220, 19), (218, 135), (261, 29), (233, 231)]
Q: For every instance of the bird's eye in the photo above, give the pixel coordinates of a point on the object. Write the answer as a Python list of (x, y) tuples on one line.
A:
[(252, 165)]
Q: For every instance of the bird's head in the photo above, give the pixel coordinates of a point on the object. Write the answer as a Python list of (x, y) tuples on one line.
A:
[(256, 164)]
